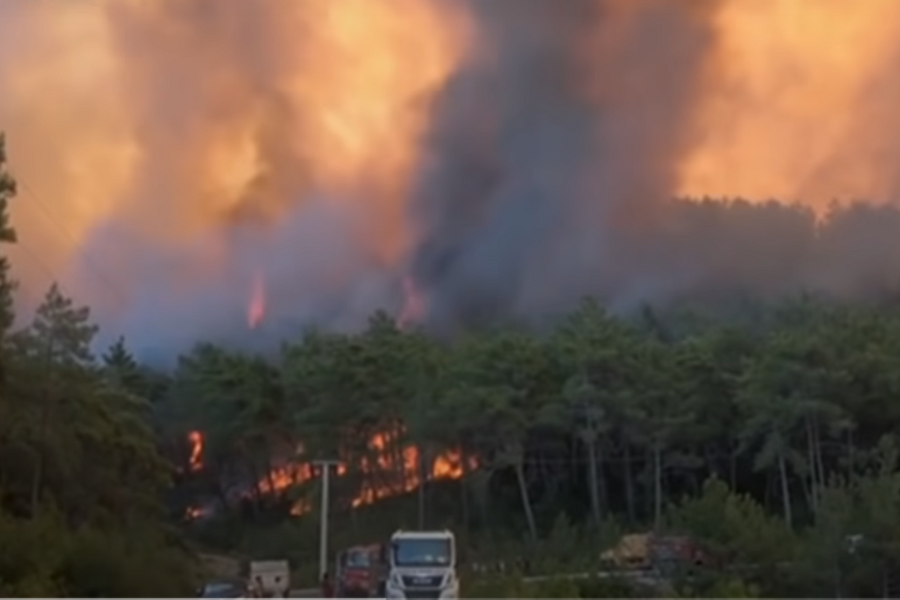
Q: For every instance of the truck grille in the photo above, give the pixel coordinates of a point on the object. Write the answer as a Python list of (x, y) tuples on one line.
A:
[(422, 594), (418, 582)]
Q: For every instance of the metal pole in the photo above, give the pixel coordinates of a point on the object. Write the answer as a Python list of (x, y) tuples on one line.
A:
[(323, 521)]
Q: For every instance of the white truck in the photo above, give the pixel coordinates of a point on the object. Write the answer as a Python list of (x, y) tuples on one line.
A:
[(271, 578), (422, 566)]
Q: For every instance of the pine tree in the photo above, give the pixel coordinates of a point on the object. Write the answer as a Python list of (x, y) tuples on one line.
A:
[(8, 236), (122, 369)]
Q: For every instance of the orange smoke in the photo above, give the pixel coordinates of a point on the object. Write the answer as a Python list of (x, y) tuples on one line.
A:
[(797, 108), (172, 122), (334, 107), (195, 461), (256, 310)]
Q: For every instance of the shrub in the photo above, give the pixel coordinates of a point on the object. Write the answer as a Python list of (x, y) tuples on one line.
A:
[(30, 554), (44, 557), (100, 564)]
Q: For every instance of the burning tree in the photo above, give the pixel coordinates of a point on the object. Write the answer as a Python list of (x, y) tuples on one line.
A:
[(311, 404)]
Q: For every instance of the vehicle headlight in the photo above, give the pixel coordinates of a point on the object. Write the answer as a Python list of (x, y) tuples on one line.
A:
[(394, 587), (451, 590)]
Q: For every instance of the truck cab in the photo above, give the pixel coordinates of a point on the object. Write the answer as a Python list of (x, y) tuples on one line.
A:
[(361, 571), (422, 566), (270, 577)]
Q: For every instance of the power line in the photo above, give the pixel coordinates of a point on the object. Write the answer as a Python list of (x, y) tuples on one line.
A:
[(22, 184), (20, 246), (36, 258), (44, 207)]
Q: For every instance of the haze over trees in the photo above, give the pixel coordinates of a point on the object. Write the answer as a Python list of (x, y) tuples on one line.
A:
[(765, 430)]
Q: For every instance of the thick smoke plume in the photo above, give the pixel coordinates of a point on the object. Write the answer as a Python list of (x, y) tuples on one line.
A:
[(551, 143), (507, 155)]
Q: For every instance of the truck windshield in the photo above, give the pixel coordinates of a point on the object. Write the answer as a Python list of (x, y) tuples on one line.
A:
[(356, 559), (422, 552), (222, 589)]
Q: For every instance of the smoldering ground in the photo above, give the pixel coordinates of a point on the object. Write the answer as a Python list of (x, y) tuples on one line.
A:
[(511, 156)]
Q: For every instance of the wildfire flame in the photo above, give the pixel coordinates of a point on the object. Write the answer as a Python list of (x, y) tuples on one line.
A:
[(194, 512), (195, 439), (390, 472), (413, 304), (448, 465), (256, 309)]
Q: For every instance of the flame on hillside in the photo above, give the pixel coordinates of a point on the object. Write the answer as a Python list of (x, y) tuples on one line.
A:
[(194, 512), (195, 460), (396, 472), (413, 304), (411, 313), (390, 469), (256, 309)]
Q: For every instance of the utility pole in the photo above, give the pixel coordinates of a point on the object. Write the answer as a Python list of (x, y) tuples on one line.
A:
[(325, 465)]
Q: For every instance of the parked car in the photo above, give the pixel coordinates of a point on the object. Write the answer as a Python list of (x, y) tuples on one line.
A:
[(225, 588)]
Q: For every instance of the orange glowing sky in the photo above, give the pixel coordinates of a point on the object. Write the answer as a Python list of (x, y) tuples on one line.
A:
[(797, 109), (119, 110), (85, 136)]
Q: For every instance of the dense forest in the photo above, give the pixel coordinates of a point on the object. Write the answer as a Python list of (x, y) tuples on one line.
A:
[(766, 430), (771, 432)]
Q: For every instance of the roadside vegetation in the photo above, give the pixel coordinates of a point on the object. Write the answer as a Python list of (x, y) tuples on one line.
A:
[(765, 431), (81, 476)]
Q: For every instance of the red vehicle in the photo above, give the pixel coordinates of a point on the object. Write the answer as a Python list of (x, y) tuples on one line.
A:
[(361, 571), (671, 551)]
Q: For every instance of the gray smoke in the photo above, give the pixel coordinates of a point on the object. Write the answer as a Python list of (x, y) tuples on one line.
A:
[(552, 177), (552, 144)]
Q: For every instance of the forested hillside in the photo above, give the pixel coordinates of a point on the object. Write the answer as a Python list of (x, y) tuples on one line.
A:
[(766, 430), (604, 422)]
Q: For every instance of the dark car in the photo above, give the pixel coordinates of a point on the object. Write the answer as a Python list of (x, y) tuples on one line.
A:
[(224, 588)]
